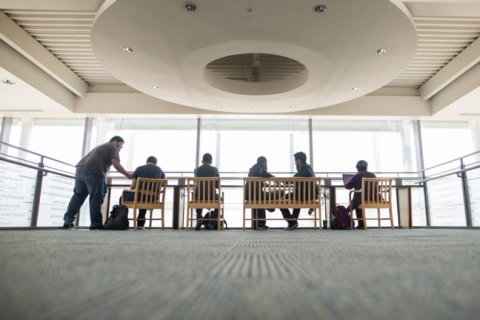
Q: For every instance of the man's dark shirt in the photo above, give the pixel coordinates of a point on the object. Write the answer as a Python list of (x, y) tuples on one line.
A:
[(356, 183), (206, 171), (99, 160), (150, 171), (305, 171), (261, 171)]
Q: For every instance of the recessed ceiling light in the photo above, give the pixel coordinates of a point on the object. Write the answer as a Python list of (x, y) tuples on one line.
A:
[(190, 7), (128, 49), (355, 88), (382, 51), (219, 106), (292, 106), (8, 82), (155, 87), (320, 8)]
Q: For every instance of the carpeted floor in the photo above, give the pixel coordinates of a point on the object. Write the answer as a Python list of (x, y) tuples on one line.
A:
[(304, 274)]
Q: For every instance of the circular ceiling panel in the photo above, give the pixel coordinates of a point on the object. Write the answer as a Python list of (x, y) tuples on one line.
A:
[(260, 57)]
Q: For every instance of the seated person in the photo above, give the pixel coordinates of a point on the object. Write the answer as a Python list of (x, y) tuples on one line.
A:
[(151, 171), (260, 170), (356, 183), (304, 170), (206, 170)]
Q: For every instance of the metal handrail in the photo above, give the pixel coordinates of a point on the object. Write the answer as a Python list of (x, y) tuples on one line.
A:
[(438, 165), (34, 153), (37, 168), (448, 174)]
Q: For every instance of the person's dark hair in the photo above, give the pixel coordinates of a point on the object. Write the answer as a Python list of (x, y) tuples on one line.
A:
[(362, 165), (301, 156), (152, 159), (118, 139), (207, 157), (260, 161)]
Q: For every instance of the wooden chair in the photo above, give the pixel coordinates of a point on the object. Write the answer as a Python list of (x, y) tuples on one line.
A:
[(202, 195), (287, 193), (379, 196), (149, 195)]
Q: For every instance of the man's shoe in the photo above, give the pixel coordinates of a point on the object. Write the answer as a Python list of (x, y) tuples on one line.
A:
[(263, 227), (291, 227), (359, 228), (69, 226), (271, 210), (311, 211), (208, 227), (199, 224), (99, 227), (140, 228)]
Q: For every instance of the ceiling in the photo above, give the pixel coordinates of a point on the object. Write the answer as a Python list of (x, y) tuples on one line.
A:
[(172, 52)]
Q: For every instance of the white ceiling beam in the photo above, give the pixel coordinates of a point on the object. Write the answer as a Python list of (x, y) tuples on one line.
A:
[(21, 41), (18, 65), (444, 102), (74, 5), (443, 8), (454, 69)]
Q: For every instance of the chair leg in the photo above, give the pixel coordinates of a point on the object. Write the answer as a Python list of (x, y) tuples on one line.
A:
[(188, 219), (379, 221), (391, 217), (151, 216), (315, 219), (135, 219), (364, 218), (351, 218), (243, 218), (218, 218), (163, 222)]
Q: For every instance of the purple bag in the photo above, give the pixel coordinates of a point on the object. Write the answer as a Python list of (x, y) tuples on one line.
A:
[(339, 218)]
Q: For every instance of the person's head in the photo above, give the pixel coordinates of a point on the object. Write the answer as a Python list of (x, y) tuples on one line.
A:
[(300, 158), (362, 165), (118, 142), (207, 158), (262, 160), (152, 160)]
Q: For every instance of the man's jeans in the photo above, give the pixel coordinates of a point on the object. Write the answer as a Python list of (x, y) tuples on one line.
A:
[(86, 183)]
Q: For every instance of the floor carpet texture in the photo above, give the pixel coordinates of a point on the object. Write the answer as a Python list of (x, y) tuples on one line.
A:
[(231, 274)]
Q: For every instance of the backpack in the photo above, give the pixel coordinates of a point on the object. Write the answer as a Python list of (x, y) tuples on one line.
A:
[(339, 218), (212, 224), (118, 219)]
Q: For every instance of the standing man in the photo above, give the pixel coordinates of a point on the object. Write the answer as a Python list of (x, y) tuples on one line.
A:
[(90, 180), (356, 183), (206, 170), (304, 170), (151, 171)]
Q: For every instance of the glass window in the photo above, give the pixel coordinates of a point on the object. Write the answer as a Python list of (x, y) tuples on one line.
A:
[(444, 141), (171, 141), (235, 144), (338, 145)]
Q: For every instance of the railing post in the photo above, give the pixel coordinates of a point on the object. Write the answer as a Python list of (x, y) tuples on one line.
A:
[(417, 131), (5, 133), (37, 195), (466, 196)]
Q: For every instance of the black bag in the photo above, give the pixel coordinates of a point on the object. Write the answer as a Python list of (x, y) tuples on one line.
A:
[(212, 224), (118, 219)]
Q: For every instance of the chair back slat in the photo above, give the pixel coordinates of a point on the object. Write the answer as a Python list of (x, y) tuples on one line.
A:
[(377, 191), (271, 191), (150, 192)]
